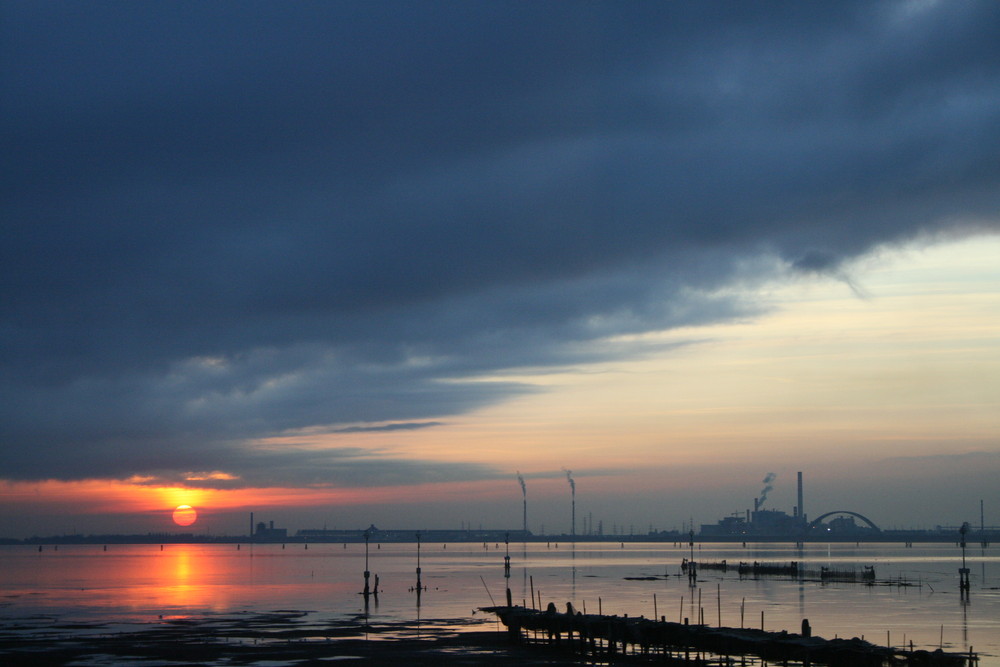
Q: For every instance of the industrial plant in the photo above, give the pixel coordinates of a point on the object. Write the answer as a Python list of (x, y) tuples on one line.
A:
[(772, 523)]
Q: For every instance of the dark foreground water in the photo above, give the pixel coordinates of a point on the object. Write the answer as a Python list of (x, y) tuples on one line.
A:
[(915, 598)]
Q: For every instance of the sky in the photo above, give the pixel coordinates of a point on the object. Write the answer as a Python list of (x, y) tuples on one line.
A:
[(352, 263)]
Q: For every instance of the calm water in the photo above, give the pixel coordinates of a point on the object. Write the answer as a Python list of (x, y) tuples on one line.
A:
[(138, 583)]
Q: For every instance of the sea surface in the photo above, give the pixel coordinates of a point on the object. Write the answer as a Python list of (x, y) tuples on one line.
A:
[(915, 597)]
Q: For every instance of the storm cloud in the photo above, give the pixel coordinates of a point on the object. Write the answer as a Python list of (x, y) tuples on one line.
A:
[(233, 221)]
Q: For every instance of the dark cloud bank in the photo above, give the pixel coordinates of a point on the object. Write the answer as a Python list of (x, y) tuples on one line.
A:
[(228, 221)]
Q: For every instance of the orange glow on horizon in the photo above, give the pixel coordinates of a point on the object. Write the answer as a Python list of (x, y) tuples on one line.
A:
[(115, 497)]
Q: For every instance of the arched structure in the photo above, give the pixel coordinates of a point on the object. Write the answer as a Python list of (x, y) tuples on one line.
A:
[(815, 522)]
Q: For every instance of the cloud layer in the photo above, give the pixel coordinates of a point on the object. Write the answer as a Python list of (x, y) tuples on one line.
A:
[(228, 222)]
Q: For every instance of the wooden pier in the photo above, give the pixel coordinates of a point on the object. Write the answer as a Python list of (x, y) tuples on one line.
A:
[(793, 570), (663, 641)]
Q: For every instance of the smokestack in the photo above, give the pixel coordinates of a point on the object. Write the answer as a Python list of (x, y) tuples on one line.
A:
[(524, 495), (572, 490), (802, 513)]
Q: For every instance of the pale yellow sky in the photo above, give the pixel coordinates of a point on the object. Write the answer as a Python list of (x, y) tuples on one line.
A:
[(914, 363)]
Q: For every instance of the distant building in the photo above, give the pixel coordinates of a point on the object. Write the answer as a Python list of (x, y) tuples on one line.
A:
[(761, 523), (269, 532), (774, 522), (727, 527), (845, 525)]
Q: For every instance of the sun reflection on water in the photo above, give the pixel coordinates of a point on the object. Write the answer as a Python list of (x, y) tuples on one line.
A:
[(147, 583)]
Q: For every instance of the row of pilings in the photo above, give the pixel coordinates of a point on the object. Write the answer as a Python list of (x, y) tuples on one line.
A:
[(793, 569), (609, 636)]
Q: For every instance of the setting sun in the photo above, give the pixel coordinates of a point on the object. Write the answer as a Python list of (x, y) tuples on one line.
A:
[(185, 515)]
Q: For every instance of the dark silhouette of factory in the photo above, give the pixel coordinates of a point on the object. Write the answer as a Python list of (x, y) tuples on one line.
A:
[(265, 532), (772, 523)]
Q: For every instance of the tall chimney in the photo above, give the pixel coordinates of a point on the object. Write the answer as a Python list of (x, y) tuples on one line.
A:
[(802, 513)]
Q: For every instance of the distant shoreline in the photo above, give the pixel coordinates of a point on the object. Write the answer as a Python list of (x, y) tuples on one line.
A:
[(408, 537)]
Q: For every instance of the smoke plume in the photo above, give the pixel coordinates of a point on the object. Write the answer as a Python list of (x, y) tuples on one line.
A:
[(569, 478), (768, 478), (520, 480)]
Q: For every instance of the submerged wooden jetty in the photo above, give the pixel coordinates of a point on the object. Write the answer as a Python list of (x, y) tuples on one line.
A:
[(793, 570), (609, 636)]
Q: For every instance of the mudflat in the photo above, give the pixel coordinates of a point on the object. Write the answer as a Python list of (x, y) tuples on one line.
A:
[(273, 638)]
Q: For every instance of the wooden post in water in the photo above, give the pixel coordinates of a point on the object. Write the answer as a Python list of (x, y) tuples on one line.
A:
[(718, 601), (692, 568), (506, 558), (366, 591), (420, 586), (963, 574)]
